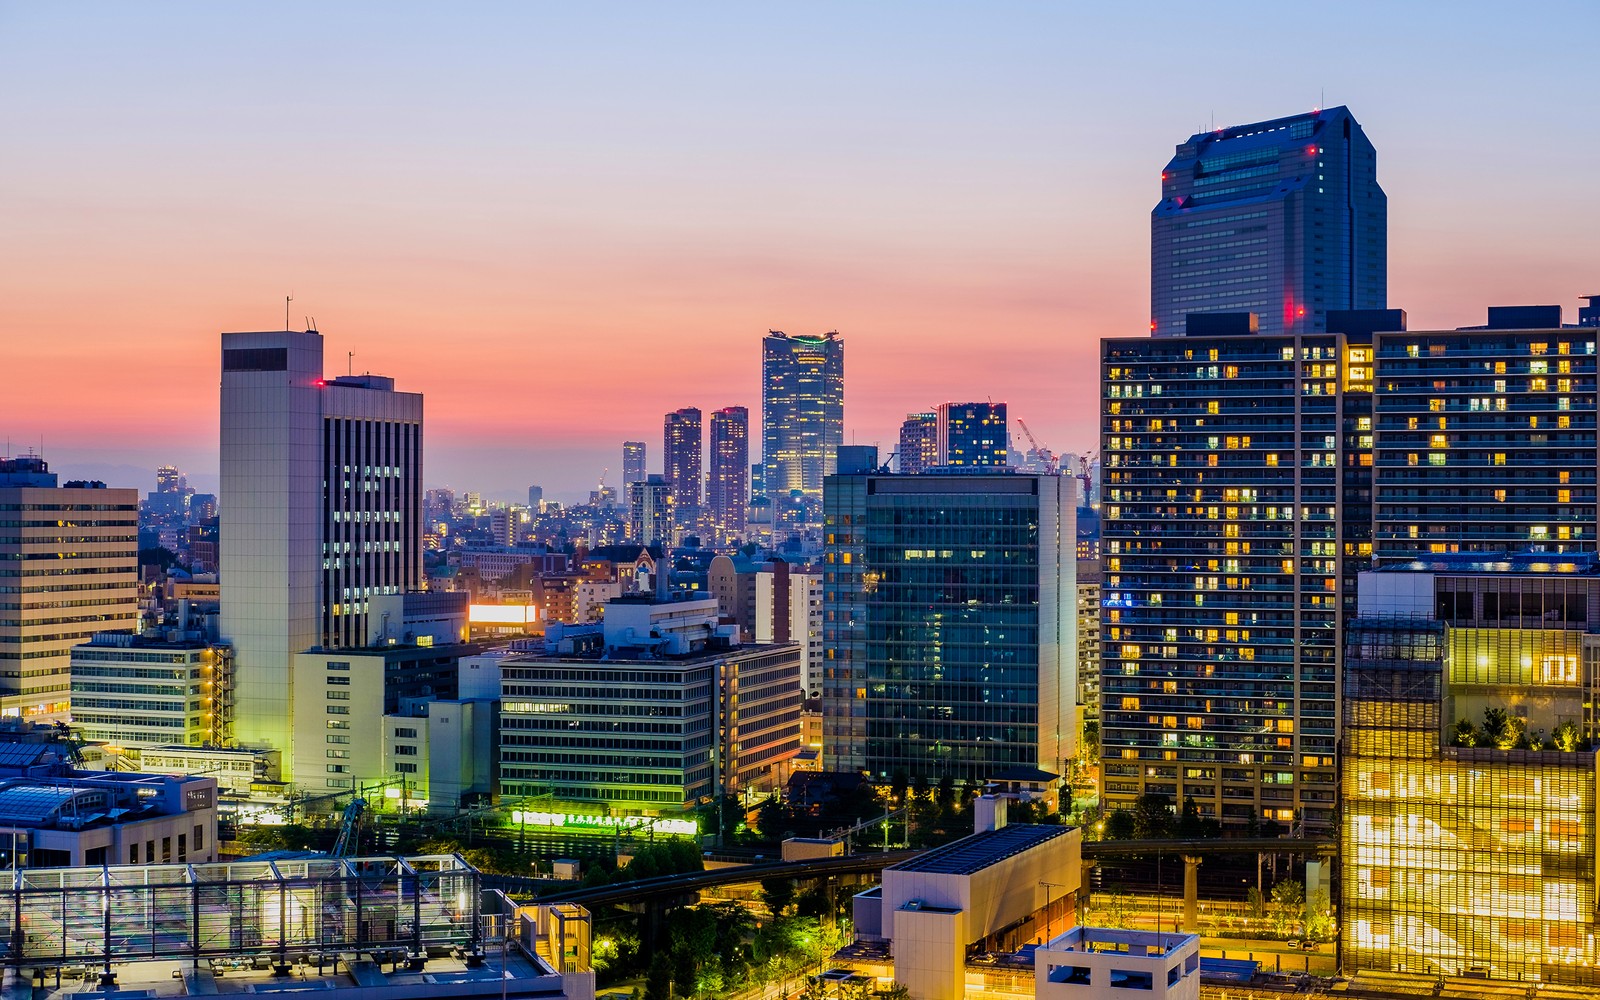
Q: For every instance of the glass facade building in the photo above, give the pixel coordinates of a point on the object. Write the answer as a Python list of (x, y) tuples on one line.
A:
[(973, 434), (1466, 853), (802, 416), (1283, 218), (948, 624), (682, 444), (728, 486)]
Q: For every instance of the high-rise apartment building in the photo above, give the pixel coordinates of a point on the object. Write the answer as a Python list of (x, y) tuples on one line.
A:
[(69, 567), (972, 434), (1250, 478), (949, 613), (1281, 218), (728, 486), (322, 505), (650, 511), (919, 443), (802, 416), (682, 444), (633, 462)]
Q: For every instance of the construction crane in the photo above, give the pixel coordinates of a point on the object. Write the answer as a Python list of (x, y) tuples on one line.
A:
[(1040, 453), (1085, 476), (350, 828)]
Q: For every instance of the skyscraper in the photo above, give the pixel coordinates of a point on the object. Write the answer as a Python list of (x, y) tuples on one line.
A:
[(802, 416), (1281, 218), (633, 463), (949, 655), (69, 567), (322, 498), (1242, 500), (682, 444), (919, 443), (973, 434), (728, 486)]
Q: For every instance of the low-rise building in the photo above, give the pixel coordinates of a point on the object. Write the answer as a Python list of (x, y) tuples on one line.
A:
[(76, 817), (657, 709), (146, 690)]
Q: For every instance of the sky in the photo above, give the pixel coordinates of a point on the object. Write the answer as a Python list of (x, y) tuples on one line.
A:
[(559, 221)]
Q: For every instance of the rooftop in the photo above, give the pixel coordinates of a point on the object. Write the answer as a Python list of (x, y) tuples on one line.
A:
[(973, 854)]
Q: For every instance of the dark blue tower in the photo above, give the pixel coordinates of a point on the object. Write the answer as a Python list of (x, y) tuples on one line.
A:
[(1284, 219)]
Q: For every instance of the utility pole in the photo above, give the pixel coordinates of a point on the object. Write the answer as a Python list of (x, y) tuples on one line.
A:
[(1048, 900)]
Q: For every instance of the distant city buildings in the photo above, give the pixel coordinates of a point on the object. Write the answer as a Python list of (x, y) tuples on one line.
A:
[(949, 620), (69, 568), (650, 511), (322, 511), (633, 462), (682, 445), (972, 434), (1282, 218), (728, 487), (802, 420), (919, 443)]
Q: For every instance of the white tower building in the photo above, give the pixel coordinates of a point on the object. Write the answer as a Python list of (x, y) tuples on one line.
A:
[(321, 510)]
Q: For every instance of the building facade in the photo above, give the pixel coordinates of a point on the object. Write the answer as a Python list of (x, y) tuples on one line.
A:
[(728, 485), (1282, 218), (633, 462), (1469, 799), (152, 690), (650, 511), (322, 510), (682, 445), (973, 434), (919, 443), (1249, 479), (69, 568), (657, 710), (802, 415), (948, 614)]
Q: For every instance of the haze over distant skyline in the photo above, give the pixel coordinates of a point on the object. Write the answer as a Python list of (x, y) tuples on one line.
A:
[(560, 222)]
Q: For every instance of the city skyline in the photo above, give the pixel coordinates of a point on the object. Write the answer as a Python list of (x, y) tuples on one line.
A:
[(986, 246)]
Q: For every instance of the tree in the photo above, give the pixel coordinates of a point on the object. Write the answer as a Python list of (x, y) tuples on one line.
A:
[(1565, 737), (1499, 730), (898, 783), (777, 893), (1152, 816), (772, 819), (1120, 825), (1288, 902), (1465, 734), (658, 981), (896, 991), (945, 798)]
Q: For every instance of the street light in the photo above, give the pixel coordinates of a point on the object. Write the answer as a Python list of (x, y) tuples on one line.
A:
[(1047, 901)]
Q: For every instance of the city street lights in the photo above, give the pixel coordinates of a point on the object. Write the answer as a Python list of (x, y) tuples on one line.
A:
[(1047, 901)]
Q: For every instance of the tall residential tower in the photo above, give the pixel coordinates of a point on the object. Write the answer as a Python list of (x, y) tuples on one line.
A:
[(682, 444), (802, 416), (728, 485)]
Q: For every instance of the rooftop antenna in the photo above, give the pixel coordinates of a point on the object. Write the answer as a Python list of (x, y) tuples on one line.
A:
[(286, 300), (351, 363)]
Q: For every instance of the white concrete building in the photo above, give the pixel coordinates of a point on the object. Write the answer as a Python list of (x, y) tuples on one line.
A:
[(1094, 963), (75, 817), (321, 498)]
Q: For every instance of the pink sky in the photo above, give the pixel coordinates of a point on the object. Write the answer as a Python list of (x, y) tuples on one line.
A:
[(558, 224)]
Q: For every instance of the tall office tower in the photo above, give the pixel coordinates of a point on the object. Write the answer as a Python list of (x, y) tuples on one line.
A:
[(168, 479), (949, 608), (682, 443), (650, 511), (919, 443), (321, 510), (728, 486), (633, 459), (69, 565), (802, 416), (1282, 218), (973, 434), (535, 498)]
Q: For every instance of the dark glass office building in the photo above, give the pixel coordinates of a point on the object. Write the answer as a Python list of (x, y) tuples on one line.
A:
[(1281, 218), (949, 620), (802, 417)]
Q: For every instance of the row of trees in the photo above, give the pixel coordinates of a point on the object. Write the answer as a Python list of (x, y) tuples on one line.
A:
[(1152, 818), (1506, 732)]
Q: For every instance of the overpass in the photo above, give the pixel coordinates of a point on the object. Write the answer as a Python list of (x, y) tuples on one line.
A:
[(669, 886)]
